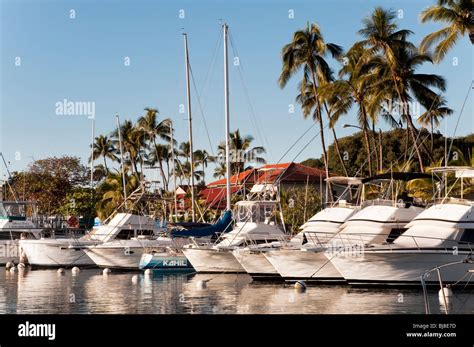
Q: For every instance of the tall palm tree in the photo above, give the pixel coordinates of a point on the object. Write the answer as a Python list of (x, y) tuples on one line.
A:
[(153, 129), (381, 35), (411, 84), (132, 142), (308, 105), (158, 154), (307, 51), (203, 158), (104, 147), (436, 110), (220, 170), (355, 88), (457, 16), (241, 152)]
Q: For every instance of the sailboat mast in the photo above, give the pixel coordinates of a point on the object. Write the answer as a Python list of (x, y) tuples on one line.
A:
[(190, 122), (119, 130), (92, 153), (227, 126), (174, 171)]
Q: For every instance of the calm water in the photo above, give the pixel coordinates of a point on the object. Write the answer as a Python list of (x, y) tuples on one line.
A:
[(44, 291)]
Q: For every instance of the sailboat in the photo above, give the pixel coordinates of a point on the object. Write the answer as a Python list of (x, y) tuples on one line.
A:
[(255, 220)]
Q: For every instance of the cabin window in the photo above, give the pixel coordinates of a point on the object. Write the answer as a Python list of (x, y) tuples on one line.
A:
[(125, 234), (15, 209), (145, 232), (5, 236), (394, 234), (467, 236)]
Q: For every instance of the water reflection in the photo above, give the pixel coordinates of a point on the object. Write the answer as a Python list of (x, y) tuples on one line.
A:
[(46, 291)]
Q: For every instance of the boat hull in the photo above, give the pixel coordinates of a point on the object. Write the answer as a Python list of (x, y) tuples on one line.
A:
[(49, 254), (210, 260), (295, 264), (255, 264), (127, 258), (164, 261), (402, 267)]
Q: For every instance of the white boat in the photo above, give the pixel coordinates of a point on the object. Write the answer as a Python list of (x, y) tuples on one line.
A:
[(255, 224), (15, 224), (442, 234), (303, 257), (124, 254), (121, 242)]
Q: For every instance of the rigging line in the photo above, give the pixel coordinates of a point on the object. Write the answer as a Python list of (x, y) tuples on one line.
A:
[(247, 96), (311, 140), (201, 109), (459, 118), (253, 117), (294, 144), (210, 71)]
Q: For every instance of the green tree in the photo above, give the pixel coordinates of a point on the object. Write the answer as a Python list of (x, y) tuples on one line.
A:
[(104, 147), (457, 16), (306, 52), (241, 152)]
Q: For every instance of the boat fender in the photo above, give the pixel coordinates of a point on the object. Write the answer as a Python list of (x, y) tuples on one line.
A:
[(448, 293), (60, 271), (300, 286), (21, 266), (148, 272), (13, 269), (201, 284), (75, 270), (9, 265), (106, 271), (134, 279)]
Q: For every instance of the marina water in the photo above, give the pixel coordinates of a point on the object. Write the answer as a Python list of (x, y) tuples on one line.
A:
[(91, 292)]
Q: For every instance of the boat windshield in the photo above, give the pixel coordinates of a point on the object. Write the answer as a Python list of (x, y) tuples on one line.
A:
[(255, 212), (12, 209)]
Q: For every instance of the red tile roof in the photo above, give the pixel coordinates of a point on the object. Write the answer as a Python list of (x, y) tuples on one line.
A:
[(216, 197), (272, 173), (243, 177)]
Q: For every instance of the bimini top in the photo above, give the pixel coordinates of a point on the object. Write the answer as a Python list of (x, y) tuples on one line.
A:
[(397, 176), (223, 225), (461, 171), (350, 181)]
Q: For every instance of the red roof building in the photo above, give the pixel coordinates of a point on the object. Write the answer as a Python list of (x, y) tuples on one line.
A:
[(277, 174)]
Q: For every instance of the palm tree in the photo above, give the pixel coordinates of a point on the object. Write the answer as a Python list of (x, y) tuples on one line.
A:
[(436, 110), (411, 84), (307, 51), (308, 104), (397, 74), (149, 125), (203, 158), (111, 191), (241, 152), (104, 147), (160, 153), (355, 89), (220, 170), (133, 143), (457, 16)]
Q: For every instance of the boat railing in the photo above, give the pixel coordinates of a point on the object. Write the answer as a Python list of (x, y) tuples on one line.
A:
[(367, 240)]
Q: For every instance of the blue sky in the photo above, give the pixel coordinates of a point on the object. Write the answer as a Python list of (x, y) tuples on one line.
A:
[(82, 59)]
